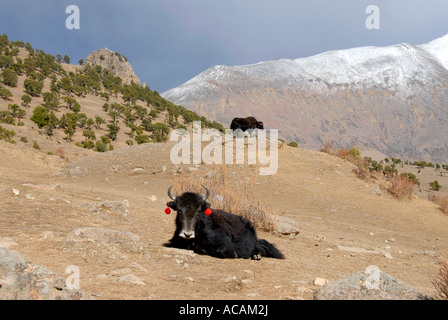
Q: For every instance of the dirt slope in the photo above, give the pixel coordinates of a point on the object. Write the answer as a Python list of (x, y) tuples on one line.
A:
[(345, 226)]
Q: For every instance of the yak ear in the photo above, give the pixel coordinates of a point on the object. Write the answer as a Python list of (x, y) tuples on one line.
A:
[(172, 205)]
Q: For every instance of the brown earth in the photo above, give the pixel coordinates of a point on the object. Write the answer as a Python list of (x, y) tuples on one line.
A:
[(345, 225)]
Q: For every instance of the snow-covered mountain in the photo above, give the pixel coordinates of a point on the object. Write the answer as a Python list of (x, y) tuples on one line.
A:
[(392, 99)]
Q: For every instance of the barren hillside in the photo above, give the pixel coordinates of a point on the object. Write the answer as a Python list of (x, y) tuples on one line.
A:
[(345, 225)]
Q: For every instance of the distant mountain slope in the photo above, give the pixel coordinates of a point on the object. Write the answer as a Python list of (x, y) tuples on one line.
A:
[(392, 99)]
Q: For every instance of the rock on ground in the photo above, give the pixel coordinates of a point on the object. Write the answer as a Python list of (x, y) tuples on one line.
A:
[(368, 286), (119, 207), (22, 280), (286, 226), (127, 240)]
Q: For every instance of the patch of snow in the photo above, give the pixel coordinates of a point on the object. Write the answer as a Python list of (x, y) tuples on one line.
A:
[(439, 49), (395, 67)]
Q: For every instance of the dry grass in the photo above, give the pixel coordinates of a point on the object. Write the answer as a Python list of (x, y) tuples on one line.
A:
[(328, 147), (352, 155), (441, 201), (400, 186), (229, 197), (59, 152), (440, 282), (362, 169)]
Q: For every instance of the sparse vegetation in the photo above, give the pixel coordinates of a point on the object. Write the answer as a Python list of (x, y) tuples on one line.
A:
[(7, 135), (226, 197), (100, 146), (160, 131), (15, 111), (141, 138), (36, 145), (440, 281), (6, 117), (400, 186), (435, 185), (441, 201), (59, 152), (411, 177)]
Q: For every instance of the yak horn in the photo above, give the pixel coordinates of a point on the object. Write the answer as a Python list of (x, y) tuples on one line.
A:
[(207, 194), (170, 194)]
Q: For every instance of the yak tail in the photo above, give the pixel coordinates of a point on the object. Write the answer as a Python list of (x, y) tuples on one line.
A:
[(267, 249)]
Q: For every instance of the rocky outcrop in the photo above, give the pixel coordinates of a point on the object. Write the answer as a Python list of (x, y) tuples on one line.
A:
[(114, 62), (23, 280), (371, 285)]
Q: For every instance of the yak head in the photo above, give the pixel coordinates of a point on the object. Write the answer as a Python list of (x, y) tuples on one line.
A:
[(189, 206), (260, 125)]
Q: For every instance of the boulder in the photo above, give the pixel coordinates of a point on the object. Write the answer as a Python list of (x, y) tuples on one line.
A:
[(286, 226), (370, 285), (23, 280)]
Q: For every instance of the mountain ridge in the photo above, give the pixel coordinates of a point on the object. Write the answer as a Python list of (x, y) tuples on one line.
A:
[(390, 99)]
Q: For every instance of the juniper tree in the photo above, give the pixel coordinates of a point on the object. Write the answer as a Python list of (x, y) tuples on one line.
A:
[(113, 131), (98, 122), (5, 93), (40, 116), (33, 87), (9, 77), (26, 100)]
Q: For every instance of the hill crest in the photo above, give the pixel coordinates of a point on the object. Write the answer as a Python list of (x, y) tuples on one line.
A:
[(115, 63)]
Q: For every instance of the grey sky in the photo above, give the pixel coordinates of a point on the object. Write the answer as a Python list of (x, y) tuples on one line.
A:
[(171, 41)]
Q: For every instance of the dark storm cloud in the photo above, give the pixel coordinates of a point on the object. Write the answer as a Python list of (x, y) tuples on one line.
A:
[(170, 41)]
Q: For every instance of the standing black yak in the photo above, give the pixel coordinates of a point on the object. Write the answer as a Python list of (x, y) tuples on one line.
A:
[(245, 124), (215, 232)]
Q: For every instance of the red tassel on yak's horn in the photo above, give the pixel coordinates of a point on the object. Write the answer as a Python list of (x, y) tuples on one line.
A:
[(167, 210), (208, 212)]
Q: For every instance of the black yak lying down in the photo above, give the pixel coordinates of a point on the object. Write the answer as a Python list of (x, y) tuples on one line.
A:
[(215, 232)]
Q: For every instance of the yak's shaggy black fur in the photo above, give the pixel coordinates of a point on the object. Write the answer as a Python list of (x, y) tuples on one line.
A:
[(220, 234), (245, 124)]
